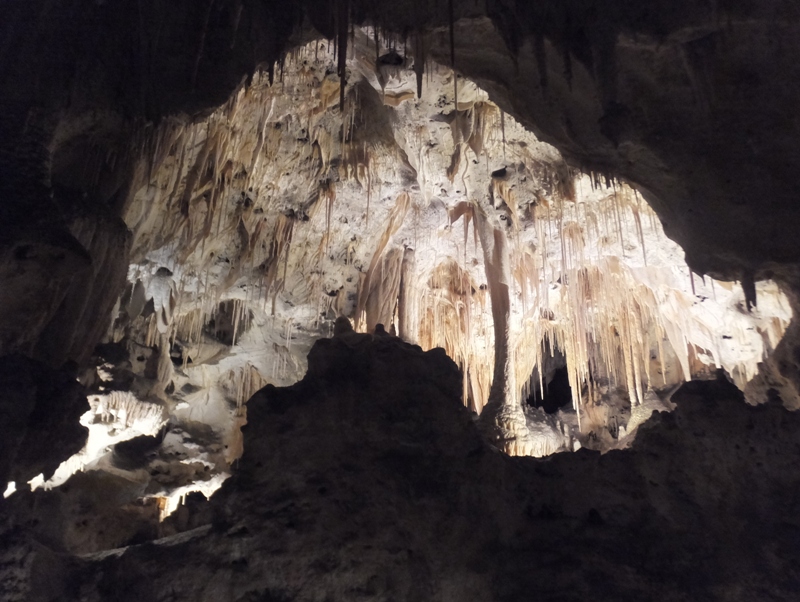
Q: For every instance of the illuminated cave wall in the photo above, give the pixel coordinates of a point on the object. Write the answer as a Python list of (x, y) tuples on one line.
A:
[(255, 228)]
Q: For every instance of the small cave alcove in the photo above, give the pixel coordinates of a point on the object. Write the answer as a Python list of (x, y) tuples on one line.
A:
[(557, 392)]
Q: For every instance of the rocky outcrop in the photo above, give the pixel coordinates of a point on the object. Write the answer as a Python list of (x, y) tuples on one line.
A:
[(40, 410), (37, 270), (59, 287), (349, 477), (83, 317), (369, 480)]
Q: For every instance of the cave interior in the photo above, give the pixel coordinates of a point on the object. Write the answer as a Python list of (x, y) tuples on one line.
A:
[(465, 300)]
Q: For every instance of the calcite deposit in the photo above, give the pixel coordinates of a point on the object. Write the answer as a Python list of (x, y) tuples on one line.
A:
[(588, 206), (424, 209)]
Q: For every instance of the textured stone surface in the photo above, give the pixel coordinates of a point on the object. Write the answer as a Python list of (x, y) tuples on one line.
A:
[(37, 270), (39, 412), (82, 318), (59, 286), (368, 480), (255, 227), (691, 102)]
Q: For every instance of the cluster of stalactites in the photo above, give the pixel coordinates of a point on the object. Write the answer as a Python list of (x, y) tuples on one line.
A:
[(453, 315), (604, 320), (569, 288), (213, 181), (616, 325)]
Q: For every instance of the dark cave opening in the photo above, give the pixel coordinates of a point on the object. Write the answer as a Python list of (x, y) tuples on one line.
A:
[(557, 392)]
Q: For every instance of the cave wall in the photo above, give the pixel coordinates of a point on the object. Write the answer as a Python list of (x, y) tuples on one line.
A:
[(691, 103)]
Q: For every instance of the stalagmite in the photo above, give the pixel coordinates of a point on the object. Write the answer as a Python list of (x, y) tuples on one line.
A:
[(406, 310), (502, 416)]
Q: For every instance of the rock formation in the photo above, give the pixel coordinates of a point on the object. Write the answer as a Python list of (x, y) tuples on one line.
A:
[(369, 480), (194, 196)]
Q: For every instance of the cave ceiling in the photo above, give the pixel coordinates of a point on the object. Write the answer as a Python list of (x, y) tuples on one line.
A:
[(691, 102)]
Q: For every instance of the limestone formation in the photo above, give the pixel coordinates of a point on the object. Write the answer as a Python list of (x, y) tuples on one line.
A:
[(584, 204)]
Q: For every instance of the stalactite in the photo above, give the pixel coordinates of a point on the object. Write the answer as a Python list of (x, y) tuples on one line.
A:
[(343, 21), (237, 16), (503, 131), (124, 408), (202, 44), (749, 288), (382, 295), (420, 57), (407, 327), (540, 53), (396, 217), (451, 17), (194, 174)]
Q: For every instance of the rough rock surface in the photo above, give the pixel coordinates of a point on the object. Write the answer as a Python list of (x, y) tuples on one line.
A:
[(39, 412), (83, 317), (693, 103), (689, 102), (255, 227), (368, 480)]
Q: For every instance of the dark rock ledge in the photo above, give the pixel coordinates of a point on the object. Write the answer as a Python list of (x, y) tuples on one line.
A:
[(369, 481)]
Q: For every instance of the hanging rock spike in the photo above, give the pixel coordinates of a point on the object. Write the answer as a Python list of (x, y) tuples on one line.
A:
[(342, 22), (419, 60), (453, 51), (749, 288)]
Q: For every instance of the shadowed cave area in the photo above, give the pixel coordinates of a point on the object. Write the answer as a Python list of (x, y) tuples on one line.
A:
[(556, 395), (345, 300), (556, 392)]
